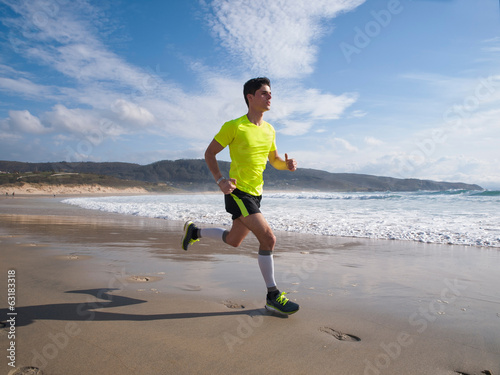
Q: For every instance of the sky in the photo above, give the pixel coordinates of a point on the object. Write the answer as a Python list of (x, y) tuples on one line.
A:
[(399, 88)]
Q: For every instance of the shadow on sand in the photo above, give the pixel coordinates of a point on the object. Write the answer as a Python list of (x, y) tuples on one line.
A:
[(86, 311)]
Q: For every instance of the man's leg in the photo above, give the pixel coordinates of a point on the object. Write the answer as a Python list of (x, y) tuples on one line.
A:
[(237, 233), (258, 225), (255, 223), (275, 300), (234, 237)]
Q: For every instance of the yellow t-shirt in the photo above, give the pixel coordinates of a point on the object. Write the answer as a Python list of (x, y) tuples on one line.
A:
[(249, 147)]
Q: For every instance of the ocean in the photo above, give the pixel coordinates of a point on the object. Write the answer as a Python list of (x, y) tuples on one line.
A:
[(457, 217)]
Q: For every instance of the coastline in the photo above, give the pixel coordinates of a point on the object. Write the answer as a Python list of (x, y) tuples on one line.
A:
[(29, 189), (105, 293)]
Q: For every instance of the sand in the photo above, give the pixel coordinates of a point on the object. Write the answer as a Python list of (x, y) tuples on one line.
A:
[(99, 293), (46, 189)]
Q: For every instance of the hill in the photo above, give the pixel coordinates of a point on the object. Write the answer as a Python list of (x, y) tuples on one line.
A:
[(194, 175), (74, 183)]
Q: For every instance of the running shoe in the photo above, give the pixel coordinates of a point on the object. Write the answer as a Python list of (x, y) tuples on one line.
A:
[(190, 230), (281, 304)]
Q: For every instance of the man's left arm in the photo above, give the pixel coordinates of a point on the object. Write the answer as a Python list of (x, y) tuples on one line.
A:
[(283, 165)]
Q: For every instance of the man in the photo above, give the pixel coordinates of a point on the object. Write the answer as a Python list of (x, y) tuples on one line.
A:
[(251, 142)]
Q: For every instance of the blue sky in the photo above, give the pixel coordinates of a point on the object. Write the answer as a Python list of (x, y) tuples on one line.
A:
[(401, 88)]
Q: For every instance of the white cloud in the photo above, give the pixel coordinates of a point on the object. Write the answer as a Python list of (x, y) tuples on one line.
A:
[(344, 143), (465, 156), (24, 121), (275, 37), (298, 109), (295, 127), (357, 114), (134, 113), (65, 39), (492, 45), (123, 97), (88, 123), (462, 91), (24, 87), (321, 106), (6, 136), (372, 141)]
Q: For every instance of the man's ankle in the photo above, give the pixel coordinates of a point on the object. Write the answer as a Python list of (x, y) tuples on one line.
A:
[(272, 294)]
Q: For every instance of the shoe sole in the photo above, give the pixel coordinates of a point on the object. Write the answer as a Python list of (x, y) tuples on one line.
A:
[(274, 309), (183, 239)]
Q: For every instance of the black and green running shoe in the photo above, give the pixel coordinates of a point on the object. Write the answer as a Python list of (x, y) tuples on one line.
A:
[(281, 304), (190, 235)]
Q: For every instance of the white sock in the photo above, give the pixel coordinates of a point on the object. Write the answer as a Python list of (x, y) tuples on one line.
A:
[(266, 264), (214, 233)]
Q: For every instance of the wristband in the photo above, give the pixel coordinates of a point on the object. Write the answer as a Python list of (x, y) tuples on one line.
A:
[(220, 180)]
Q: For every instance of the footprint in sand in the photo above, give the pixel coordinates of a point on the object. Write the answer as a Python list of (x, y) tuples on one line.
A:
[(27, 370), (339, 335), (190, 288), (143, 279), (72, 257), (233, 305)]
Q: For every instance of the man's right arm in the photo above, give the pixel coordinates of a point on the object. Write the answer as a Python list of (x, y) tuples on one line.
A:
[(226, 185)]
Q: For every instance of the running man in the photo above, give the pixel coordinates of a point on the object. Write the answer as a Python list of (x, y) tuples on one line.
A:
[(251, 142)]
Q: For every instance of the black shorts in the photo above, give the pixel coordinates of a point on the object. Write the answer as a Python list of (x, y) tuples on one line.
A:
[(243, 204)]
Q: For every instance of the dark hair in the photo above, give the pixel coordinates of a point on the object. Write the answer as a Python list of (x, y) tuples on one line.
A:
[(253, 85)]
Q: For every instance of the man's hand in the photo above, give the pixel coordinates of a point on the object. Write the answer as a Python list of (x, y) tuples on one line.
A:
[(227, 186), (291, 164)]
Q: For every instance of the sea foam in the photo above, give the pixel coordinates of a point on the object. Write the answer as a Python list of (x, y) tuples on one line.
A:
[(450, 217)]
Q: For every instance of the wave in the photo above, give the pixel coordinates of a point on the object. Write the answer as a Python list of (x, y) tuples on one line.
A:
[(333, 196), (388, 195), (460, 217), (472, 193), (486, 193)]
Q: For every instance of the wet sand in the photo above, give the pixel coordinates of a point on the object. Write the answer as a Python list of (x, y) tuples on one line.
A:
[(99, 293)]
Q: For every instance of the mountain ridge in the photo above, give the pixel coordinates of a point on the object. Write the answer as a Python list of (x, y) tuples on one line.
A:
[(193, 175)]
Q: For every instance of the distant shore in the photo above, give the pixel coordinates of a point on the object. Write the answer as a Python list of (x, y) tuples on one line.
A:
[(47, 189), (194, 175)]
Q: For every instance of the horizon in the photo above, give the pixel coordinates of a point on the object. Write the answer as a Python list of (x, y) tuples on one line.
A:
[(396, 88)]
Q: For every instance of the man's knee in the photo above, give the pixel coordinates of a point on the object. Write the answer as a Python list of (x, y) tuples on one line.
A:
[(267, 241)]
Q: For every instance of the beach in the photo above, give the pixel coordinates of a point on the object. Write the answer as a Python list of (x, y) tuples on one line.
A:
[(34, 189), (103, 293)]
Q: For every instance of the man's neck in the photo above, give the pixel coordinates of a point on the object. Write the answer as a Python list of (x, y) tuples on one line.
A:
[(255, 117)]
